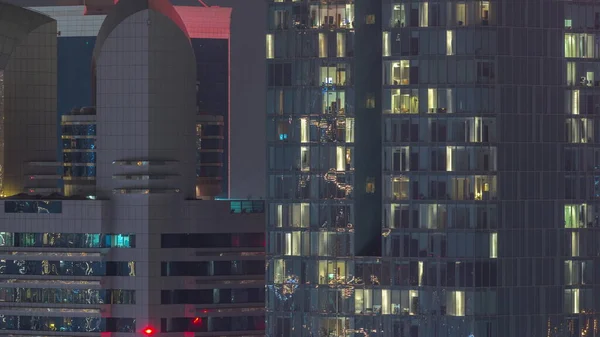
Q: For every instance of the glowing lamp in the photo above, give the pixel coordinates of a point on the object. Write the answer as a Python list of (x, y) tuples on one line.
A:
[(149, 331), (197, 320)]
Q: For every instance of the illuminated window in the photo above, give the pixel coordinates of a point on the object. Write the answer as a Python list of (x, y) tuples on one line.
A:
[(304, 130), (400, 187), (433, 216), (370, 186), (340, 155), (370, 19), (571, 301), (329, 271), (450, 42), (322, 45), (301, 215), (363, 300), (370, 101), (432, 100), (400, 73), (574, 244), (279, 221), (292, 244), (573, 272), (493, 245), (579, 130), (580, 45), (386, 44), (282, 130), (278, 271), (568, 23), (455, 303), (485, 12), (578, 216), (461, 14), (333, 74), (270, 44), (386, 298), (571, 73), (341, 44), (349, 130), (424, 14), (398, 16), (304, 158), (405, 101)]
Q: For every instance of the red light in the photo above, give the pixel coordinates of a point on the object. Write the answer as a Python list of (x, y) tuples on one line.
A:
[(197, 320), (149, 331)]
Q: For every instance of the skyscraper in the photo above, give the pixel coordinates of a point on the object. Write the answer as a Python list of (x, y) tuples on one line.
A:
[(140, 255), (209, 29), (433, 168)]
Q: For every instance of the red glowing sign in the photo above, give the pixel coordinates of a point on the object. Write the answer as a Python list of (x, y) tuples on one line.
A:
[(197, 320), (149, 331)]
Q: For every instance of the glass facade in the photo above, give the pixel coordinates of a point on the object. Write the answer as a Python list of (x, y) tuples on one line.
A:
[(433, 168), (212, 104), (67, 324), (67, 240), (67, 296)]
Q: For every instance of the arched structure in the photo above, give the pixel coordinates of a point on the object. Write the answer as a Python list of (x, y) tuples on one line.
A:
[(145, 97), (145, 75), (27, 101)]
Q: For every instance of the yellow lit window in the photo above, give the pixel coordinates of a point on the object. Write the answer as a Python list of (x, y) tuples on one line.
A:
[(322, 45), (304, 130), (450, 42), (270, 43), (455, 303), (386, 44), (341, 44), (493, 245)]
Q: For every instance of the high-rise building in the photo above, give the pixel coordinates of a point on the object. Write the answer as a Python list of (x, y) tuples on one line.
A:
[(433, 168), (209, 30), (28, 102), (134, 252)]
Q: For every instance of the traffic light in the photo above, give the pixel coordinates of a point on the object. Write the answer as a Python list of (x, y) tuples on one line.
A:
[(149, 331)]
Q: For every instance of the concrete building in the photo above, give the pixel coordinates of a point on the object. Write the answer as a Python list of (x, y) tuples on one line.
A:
[(433, 168), (28, 91), (141, 255), (209, 30)]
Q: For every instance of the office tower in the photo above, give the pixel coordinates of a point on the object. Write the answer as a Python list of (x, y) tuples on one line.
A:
[(209, 32), (145, 257), (433, 168)]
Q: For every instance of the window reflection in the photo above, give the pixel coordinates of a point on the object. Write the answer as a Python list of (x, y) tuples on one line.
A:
[(67, 324), (70, 296), (66, 268), (67, 240)]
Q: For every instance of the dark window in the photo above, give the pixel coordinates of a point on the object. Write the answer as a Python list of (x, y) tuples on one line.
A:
[(279, 74), (213, 240), (214, 268), (213, 296), (121, 268), (120, 325), (213, 324)]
